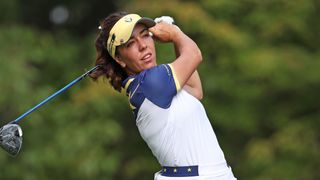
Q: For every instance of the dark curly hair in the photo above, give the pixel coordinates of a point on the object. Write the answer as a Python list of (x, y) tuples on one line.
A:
[(108, 68)]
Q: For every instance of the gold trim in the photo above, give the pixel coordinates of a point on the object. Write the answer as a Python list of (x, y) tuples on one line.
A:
[(132, 106), (175, 77), (128, 83)]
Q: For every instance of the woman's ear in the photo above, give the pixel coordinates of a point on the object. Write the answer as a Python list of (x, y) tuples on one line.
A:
[(120, 62)]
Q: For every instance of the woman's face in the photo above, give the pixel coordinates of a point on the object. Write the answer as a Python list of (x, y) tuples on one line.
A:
[(138, 53)]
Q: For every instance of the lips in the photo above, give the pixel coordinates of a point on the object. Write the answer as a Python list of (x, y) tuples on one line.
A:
[(146, 57)]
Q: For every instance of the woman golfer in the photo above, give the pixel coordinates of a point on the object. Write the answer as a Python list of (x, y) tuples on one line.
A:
[(164, 98)]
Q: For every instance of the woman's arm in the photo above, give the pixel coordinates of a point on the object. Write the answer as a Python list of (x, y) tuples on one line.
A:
[(189, 55), (193, 85)]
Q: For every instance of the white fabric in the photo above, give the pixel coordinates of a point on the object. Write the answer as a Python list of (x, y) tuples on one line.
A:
[(180, 135)]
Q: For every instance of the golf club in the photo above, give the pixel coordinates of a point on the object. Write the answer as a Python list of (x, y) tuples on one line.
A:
[(11, 133)]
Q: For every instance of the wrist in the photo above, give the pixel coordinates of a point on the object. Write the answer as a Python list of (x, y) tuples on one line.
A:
[(176, 35)]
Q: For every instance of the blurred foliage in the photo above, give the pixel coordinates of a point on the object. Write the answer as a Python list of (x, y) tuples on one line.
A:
[(259, 74)]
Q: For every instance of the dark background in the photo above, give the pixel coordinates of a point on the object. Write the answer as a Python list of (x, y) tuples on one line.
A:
[(260, 76)]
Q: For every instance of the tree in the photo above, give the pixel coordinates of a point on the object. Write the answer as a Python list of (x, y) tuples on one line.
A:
[(260, 79)]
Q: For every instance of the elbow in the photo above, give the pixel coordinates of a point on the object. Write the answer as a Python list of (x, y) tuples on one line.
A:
[(194, 54), (199, 95), (195, 91), (198, 56)]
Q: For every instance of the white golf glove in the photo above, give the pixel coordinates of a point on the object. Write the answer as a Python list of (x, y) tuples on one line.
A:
[(166, 19)]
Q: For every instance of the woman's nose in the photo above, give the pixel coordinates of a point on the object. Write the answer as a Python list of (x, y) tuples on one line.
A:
[(142, 44)]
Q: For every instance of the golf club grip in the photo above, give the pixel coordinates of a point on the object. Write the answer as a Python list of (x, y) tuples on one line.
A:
[(54, 95)]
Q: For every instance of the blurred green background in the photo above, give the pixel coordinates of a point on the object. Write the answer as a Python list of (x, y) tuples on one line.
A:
[(260, 76)]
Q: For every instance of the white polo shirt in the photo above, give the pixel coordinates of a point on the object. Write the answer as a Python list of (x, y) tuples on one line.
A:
[(172, 122)]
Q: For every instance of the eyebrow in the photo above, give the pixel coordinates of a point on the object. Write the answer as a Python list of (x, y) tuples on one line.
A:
[(142, 31)]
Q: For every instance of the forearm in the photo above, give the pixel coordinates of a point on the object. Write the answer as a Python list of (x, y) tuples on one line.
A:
[(193, 84), (188, 54), (188, 57)]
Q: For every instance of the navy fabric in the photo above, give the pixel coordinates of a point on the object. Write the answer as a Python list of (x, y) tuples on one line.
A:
[(180, 171), (156, 84), (159, 86)]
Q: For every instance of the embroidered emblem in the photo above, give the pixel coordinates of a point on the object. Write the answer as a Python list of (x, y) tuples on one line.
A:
[(128, 19)]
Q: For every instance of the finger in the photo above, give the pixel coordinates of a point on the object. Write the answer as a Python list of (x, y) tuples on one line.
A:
[(152, 29)]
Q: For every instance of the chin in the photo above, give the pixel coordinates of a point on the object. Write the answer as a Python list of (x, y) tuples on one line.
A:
[(150, 64), (147, 67)]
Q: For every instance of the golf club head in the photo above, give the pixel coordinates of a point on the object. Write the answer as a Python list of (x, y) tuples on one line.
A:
[(11, 138)]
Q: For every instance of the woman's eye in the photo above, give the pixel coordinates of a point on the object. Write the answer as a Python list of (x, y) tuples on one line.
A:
[(129, 44), (146, 34)]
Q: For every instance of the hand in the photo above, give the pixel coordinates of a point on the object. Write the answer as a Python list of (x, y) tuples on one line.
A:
[(166, 19), (165, 32)]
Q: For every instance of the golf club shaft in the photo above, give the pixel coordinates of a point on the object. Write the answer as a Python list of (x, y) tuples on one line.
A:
[(54, 95)]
